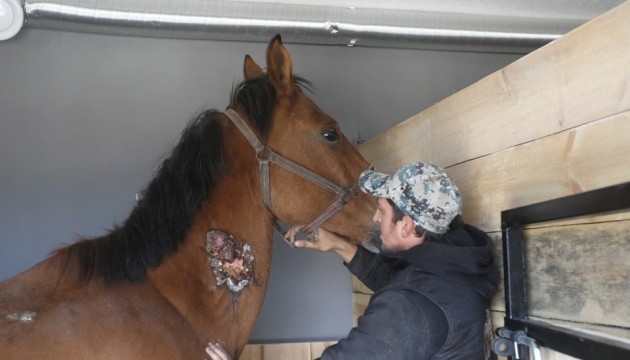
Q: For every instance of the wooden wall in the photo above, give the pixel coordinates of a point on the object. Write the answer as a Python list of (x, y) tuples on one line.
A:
[(554, 123), (292, 351)]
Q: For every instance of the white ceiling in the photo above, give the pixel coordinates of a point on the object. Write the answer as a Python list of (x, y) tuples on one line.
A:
[(548, 9)]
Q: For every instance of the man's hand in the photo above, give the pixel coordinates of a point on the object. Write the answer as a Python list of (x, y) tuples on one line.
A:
[(323, 240), (216, 352)]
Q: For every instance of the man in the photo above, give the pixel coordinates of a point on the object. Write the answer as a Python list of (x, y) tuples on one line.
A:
[(433, 281)]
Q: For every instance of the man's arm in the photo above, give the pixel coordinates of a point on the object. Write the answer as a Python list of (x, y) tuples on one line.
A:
[(371, 269), (367, 266)]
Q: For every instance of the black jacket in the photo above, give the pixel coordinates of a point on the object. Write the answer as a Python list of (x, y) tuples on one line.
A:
[(429, 301)]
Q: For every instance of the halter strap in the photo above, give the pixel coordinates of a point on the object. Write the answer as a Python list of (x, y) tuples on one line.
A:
[(265, 155)]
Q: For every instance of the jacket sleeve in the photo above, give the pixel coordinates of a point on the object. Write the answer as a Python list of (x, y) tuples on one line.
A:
[(391, 328), (370, 268)]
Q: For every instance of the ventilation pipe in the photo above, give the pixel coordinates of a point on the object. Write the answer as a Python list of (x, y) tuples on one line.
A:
[(11, 18), (306, 24)]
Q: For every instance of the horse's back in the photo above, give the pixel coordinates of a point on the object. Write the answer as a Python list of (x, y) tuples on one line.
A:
[(24, 296), (45, 315)]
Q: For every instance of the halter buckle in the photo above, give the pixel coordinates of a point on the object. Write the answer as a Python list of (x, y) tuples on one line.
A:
[(264, 154)]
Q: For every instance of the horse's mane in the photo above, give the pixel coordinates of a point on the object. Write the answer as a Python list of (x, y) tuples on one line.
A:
[(157, 224)]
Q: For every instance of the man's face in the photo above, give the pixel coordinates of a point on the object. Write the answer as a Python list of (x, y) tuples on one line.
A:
[(384, 218)]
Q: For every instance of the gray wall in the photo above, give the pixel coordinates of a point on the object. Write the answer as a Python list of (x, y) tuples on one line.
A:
[(84, 119)]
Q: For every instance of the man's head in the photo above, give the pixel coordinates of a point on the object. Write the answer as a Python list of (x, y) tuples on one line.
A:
[(423, 192)]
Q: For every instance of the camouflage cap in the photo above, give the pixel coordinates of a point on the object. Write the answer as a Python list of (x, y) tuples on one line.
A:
[(423, 191)]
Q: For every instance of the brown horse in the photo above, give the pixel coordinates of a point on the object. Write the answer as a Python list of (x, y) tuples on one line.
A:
[(156, 287)]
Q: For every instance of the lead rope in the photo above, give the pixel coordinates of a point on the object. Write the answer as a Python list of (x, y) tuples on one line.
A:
[(265, 155)]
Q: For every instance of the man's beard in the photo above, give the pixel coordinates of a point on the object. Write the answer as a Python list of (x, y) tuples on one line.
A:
[(373, 240)]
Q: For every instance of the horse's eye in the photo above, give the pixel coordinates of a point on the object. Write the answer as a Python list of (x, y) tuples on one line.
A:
[(331, 135)]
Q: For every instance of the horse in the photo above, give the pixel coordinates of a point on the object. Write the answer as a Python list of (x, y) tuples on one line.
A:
[(191, 262)]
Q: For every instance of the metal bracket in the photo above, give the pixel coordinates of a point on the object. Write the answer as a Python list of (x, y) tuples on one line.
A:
[(507, 344)]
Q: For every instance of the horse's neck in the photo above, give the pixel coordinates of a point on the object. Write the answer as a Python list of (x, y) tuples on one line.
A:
[(187, 280)]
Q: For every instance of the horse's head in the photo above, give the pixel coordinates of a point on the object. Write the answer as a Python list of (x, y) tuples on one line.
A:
[(301, 132)]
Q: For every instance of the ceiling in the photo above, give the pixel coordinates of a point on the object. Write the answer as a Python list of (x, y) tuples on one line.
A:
[(545, 9), (508, 26)]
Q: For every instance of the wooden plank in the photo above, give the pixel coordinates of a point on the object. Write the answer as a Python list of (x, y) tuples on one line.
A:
[(581, 77), (588, 157), (359, 287), (497, 302), (317, 348), (359, 303), (615, 216), (252, 352), (312, 350), (297, 351)]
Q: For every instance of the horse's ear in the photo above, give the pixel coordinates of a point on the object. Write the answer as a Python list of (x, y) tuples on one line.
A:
[(251, 70), (279, 66)]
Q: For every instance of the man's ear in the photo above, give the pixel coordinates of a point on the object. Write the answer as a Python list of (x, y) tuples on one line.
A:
[(408, 230), (407, 226)]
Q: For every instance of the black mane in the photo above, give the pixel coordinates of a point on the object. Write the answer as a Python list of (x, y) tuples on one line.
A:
[(157, 224)]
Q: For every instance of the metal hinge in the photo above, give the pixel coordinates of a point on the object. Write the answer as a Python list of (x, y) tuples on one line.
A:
[(507, 344)]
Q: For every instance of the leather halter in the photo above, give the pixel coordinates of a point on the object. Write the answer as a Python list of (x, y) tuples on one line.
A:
[(265, 155)]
